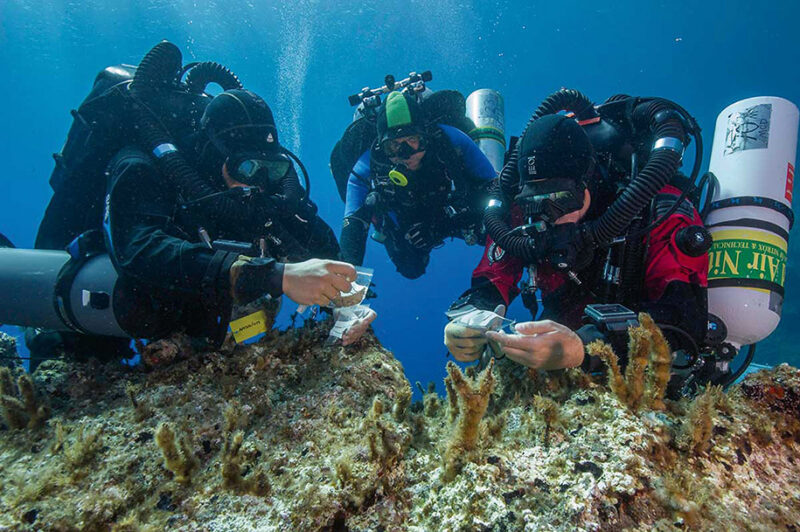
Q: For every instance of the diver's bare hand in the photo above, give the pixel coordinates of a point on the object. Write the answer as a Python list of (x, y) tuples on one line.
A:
[(316, 281), (541, 345), (358, 328), (465, 343)]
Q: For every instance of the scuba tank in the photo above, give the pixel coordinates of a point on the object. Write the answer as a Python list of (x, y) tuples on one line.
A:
[(59, 291), (486, 109), (750, 216)]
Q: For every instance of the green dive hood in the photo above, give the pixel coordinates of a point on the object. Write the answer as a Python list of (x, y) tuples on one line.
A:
[(399, 116)]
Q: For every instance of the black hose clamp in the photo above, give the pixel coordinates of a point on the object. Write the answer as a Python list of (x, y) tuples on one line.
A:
[(672, 114)]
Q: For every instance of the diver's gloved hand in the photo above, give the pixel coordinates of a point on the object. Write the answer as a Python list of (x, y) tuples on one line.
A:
[(421, 237), (251, 278), (316, 281), (466, 343), (571, 246), (541, 345)]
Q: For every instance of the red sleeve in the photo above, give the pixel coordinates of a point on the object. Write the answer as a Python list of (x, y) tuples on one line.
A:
[(665, 262), (500, 268)]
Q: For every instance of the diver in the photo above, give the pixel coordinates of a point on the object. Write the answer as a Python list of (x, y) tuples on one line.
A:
[(420, 183), (203, 211), (563, 183)]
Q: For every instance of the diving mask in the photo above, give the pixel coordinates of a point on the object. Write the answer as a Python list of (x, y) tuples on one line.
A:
[(550, 199), (404, 147), (258, 169)]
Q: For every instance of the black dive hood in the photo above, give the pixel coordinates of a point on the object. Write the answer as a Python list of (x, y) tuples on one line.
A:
[(556, 163), (657, 127)]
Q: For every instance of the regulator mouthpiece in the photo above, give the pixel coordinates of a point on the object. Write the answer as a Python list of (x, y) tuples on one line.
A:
[(550, 199)]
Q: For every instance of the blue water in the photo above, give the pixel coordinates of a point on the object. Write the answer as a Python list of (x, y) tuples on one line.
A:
[(306, 57)]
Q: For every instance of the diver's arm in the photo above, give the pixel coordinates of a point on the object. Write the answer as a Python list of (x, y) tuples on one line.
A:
[(138, 232), (476, 165), (353, 240), (357, 215)]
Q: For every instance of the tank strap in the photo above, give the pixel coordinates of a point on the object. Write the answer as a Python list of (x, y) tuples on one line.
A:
[(756, 224), (82, 248), (747, 283), (755, 201)]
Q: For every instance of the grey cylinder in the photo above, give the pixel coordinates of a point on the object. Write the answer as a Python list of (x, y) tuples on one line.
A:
[(486, 109), (28, 280)]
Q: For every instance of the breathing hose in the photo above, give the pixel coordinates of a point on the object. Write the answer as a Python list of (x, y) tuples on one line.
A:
[(160, 69), (751, 353), (657, 115), (286, 185), (201, 74), (661, 166)]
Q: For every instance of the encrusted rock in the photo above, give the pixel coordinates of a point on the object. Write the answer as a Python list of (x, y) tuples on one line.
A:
[(293, 434)]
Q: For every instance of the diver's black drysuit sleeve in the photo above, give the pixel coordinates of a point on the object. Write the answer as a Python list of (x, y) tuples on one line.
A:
[(143, 241), (353, 239)]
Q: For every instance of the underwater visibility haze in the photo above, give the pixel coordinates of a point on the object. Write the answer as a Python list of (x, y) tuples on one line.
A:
[(292, 433), (305, 57)]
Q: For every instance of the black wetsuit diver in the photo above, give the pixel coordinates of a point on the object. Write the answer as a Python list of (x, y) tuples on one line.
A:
[(171, 279)]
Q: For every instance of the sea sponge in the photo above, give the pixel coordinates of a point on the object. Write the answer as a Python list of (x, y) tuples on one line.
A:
[(550, 413), (660, 364), (650, 358), (386, 443), (84, 447), (401, 404), (21, 405), (699, 423), (472, 402), (430, 400), (141, 410), (639, 347), (178, 456), (232, 477)]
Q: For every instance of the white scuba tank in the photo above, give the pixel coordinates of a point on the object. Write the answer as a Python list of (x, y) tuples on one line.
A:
[(753, 157), (486, 109)]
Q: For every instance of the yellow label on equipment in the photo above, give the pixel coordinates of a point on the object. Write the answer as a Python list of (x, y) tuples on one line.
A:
[(249, 326), (747, 254)]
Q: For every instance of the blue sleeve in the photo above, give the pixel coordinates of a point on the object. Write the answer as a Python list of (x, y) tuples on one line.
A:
[(357, 185), (476, 164)]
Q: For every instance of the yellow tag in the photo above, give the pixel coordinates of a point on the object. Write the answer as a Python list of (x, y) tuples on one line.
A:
[(249, 326), (398, 178)]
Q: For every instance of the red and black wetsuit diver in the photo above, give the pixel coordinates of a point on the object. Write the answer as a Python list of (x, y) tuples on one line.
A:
[(559, 197)]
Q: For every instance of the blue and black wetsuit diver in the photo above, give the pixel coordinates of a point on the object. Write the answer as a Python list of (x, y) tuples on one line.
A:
[(202, 209), (419, 184)]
